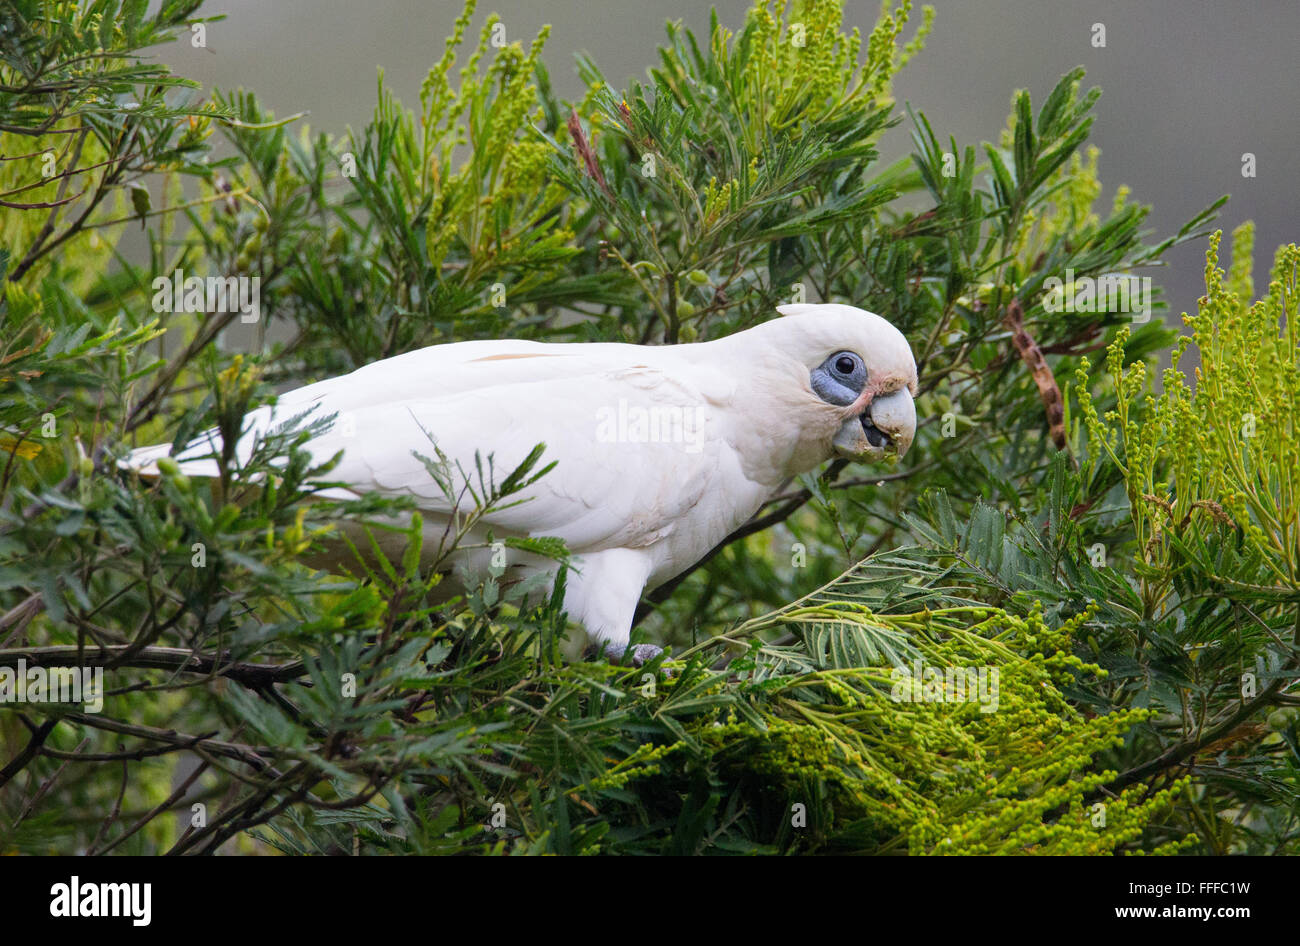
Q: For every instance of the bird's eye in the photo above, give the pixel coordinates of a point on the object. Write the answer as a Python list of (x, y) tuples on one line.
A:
[(839, 379)]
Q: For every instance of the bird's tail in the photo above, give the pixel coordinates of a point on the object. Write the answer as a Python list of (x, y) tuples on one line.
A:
[(198, 458), (191, 461)]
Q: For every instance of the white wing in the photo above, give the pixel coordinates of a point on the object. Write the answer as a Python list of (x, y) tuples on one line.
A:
[(607, 489), (635, 445)]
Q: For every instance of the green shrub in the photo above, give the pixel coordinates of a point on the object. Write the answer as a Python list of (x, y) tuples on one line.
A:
[(311, 712)]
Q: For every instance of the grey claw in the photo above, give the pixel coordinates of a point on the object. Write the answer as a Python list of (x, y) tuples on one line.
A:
[(634, 654), (642, 653)]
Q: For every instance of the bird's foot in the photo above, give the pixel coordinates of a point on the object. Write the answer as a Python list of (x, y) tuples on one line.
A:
[(636, 655), (642, 654)]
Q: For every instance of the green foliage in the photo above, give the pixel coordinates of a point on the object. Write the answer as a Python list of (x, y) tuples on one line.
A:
[(368, 712), (83, 118), (1223, 454), (1209, 477)]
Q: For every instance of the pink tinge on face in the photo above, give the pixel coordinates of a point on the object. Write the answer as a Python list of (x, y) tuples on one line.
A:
[(869, 391)]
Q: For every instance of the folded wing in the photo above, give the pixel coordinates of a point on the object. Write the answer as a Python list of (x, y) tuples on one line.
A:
[(635, 445)]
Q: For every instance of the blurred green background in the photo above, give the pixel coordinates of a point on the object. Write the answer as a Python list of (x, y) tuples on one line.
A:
[(1189, 85)]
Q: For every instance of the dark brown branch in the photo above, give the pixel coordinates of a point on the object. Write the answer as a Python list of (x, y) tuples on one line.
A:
[(249, 755), (860, 481), (127, 755), (38, 247), (37, 131), (30, 751), (57, 177), (117, 809), (45, 205), (47, 784), (20, 615), (155, 658), (167, 803), (242, 813), (1184, 750)]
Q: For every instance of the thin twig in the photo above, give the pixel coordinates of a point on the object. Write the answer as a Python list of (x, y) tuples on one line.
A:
[(167, 803), (30, 751)]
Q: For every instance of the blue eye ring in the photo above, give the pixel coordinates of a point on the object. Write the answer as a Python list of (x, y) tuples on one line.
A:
[(840, 378)]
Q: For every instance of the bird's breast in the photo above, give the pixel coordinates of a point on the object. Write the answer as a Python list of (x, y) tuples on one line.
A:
[(729, 500)]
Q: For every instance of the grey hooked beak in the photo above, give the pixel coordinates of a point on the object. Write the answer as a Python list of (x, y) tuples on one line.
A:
[(885, 428), (890, 422)]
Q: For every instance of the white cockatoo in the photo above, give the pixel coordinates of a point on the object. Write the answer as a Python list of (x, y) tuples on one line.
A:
[(660, 452)]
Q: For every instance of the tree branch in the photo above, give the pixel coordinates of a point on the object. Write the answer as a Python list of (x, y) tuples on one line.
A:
[(30, 751), (1176, 754), (249, 755), (155, 658)]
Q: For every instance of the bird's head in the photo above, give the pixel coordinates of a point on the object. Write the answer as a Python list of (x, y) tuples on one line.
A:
[(860, 366)]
